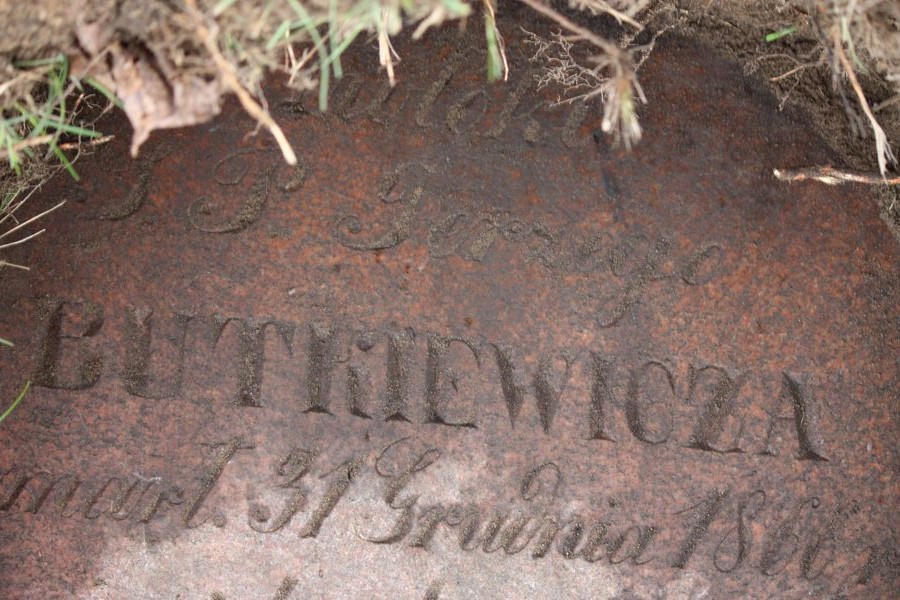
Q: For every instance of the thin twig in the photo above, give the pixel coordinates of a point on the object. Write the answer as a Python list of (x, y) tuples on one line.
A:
[(230, 78), (11, 209), (793, 71), (27, 143), (14, 205), (91, 142), (294, 64), (832, 176)]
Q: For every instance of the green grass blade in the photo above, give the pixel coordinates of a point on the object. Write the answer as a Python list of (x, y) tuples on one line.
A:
[(307, 23), (851, 47), (5, 342), (15, 403), (75, 130), (39, 62), (64, 160), (279, 34), (494, 58), (777, 35), (104, 90), (457, 8), (335, 55), (336, 52)]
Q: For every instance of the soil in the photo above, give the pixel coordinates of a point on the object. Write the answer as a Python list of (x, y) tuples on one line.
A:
[(738, 28)]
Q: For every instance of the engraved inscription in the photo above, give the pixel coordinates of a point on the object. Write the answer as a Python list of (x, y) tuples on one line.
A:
[(348, 228), (745, 532), (425, 381), (628, 267), (58, 317)]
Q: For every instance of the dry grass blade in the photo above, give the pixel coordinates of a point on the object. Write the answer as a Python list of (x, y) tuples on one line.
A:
[(8, 210), (4, 263), (31, 142), (25, 224), (597, 7), (883, 149), (15, 402), (206, 33)]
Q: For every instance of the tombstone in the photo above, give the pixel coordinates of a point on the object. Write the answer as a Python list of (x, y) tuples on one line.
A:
[(464, 349)]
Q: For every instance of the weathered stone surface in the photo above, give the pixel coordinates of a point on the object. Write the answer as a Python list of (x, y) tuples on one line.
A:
[(464, 350)]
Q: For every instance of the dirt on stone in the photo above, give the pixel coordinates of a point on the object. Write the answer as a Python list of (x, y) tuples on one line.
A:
[(171, 64)]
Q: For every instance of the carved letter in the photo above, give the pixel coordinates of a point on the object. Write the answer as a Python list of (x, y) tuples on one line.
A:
[(398, 479), (399, 366), (49, 368), (321, 364), (359, 387), (601, 397), (547, 399), (138, 349), (251, 353), (294, 467), (696, 272), (209, 478), (349, 226), (577, 113), (442, 381), (136, 196), (68, 485), (748, 508), (637, 282), (644, 536), (716, 410), (124, 501), (336, 490), (805, 422), (708, 510), (453, 63), (637, 420), (826, 540), (512, 102), (457, 110), (250, 210)]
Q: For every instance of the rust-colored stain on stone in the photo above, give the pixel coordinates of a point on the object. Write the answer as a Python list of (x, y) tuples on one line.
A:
[(462, 350)]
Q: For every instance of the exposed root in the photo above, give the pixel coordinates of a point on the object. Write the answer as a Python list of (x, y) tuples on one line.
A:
[(882, 148), (832, 176), (612, 79)]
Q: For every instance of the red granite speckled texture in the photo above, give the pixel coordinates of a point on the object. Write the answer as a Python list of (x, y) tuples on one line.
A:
[(464, 350)]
